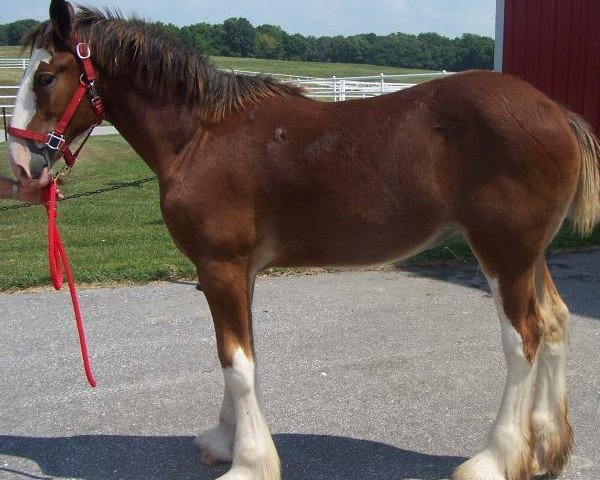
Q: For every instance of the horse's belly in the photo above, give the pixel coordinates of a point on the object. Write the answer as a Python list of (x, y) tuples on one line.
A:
[(337, 243)]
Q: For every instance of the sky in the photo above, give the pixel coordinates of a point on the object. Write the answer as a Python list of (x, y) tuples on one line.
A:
[(451, 18)]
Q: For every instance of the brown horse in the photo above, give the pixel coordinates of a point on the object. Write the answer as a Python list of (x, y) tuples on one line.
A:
[(253, 174)]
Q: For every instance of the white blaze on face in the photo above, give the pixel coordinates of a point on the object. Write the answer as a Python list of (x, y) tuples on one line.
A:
[(25, 107)]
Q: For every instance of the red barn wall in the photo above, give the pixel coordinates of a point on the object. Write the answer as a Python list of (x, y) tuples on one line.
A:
[(555, 45)]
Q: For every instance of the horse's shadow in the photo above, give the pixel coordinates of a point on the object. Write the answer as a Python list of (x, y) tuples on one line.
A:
[(569, 279), (112, 457)]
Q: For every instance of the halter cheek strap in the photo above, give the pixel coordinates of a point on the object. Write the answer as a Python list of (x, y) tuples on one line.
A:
[(55, 140)]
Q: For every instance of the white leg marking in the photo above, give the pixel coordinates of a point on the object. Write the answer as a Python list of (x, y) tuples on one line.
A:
[(551, 428), (254, 454), (216, 443), (25, 108), (508, 440)]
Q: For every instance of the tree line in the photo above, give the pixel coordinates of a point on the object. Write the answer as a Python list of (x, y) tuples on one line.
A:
[(239, 38)]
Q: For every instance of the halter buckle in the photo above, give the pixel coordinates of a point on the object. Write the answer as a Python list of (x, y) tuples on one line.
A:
[(83, 51), (92, 88), (56, 141)]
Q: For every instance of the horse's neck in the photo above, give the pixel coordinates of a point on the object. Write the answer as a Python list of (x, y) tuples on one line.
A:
[(157, 130)]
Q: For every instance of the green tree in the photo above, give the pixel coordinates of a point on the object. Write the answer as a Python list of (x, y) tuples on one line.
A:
[(239, 36), (439, 52), (321, 53), (355, 49), (3, 36), (269, 41), (265, 46), (200, 36), (474, 51), (16, 30), (298, 47)]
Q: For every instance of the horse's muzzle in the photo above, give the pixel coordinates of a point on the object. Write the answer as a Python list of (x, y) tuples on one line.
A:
[(41, 158)]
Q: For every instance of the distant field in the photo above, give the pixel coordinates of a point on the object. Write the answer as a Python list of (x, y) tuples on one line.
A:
[(10, 77), (10, 52), (309, 69), (303, 69)]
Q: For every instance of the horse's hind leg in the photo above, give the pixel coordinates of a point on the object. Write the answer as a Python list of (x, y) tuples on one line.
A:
[(551, 428), (228, 288), (509, 268)]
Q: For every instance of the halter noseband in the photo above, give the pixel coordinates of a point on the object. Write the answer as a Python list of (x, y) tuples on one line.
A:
[(55, 140)]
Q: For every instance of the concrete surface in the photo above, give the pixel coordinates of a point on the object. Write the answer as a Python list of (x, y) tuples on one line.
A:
[(364, 375)]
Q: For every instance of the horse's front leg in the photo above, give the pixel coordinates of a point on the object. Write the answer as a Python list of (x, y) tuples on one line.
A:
[(216, 443), (242, 435)]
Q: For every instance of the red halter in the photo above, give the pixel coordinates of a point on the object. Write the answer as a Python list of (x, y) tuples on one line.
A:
[(55, 140)]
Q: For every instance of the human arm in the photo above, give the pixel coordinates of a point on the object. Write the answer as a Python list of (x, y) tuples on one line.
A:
[(10, 188)]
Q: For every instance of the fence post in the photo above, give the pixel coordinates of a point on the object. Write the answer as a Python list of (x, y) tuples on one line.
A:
[(4, 120), (334, 89), (382, 81), (23, 63), (342, 90)]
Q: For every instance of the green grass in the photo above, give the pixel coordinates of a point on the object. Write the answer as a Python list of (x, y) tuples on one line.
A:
[(456, 249), (111, 237), (311, 69), (10, 77), (11, 52)]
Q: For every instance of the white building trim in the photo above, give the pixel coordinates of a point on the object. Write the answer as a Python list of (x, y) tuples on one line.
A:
[(499, 41)]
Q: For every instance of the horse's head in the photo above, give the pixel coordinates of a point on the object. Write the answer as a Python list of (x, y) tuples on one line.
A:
[(47, 89)]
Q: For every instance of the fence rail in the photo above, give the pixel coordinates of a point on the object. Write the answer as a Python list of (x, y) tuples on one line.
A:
[(14, 63), (8, 95), (344, 88)]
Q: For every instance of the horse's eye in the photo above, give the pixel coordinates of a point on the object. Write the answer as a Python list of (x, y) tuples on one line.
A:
[(45, 79)]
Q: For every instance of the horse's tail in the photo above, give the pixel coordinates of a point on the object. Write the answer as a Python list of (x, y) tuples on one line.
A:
[(585, 209)]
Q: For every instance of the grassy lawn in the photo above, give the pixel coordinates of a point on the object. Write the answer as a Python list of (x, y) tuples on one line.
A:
[(10, 77), (311, 69), (111, 237), (456, 249), (12, 51)]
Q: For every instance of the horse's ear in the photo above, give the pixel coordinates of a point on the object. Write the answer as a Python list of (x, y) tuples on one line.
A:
[(61, 15)]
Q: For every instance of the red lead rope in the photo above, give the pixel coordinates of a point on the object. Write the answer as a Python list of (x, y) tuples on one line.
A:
[(56, 255)]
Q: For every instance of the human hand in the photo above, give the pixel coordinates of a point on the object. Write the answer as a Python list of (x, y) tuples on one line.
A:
[(35, 194)]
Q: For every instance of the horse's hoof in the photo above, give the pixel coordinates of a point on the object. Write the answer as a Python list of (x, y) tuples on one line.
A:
[(209, 459), (216, 445)]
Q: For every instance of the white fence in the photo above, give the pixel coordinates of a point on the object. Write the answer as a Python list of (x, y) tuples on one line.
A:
[(340, 89), (344, 88), (14, 63), (8, 96)]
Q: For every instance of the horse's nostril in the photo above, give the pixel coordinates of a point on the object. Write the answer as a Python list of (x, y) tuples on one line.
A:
[(22, 173), (37, 165)]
